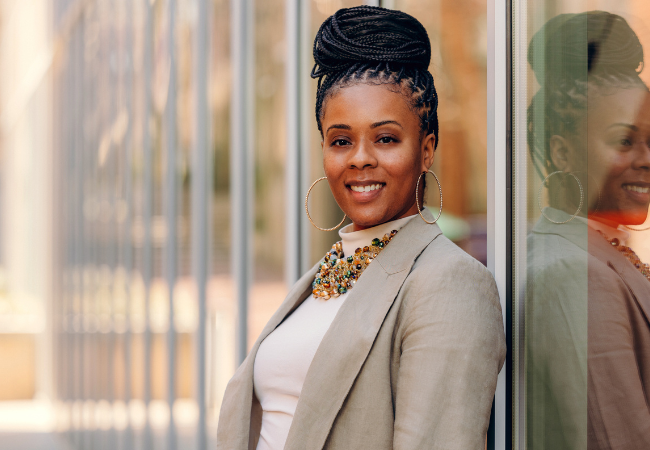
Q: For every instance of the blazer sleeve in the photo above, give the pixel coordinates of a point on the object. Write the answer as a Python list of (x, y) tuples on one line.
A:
[(618, 413), (452, 349)]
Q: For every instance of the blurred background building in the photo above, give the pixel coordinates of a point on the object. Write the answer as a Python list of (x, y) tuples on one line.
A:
[(134, 136), (154, 157)]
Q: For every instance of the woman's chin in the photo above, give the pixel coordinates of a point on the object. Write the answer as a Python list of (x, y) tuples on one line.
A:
[(362, 221), (627, 217)]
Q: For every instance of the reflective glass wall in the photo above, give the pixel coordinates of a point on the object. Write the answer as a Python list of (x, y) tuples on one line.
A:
[(155, 158), (581, 231)]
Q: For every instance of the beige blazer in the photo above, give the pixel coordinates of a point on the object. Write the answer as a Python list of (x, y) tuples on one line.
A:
[(410, 361), (587, 341)]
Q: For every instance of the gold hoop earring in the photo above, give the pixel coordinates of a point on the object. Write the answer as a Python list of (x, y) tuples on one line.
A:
[(307, 208), (417, 201), (539, 197)]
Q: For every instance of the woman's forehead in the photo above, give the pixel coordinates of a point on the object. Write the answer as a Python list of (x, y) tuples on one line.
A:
[(361, 103)]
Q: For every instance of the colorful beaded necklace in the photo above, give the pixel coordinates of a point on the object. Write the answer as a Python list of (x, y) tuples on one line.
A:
[(336, 274), (630, 255)]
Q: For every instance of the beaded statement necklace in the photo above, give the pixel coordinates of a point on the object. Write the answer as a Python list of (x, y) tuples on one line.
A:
[(630, 255), (336, 274)]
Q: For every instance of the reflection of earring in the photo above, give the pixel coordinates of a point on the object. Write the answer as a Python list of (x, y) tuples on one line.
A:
[(539, 197), (307, 208), (589, 177), (417, 202)]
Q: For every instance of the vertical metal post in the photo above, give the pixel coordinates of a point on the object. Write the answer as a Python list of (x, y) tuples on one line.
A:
[(200, 209), (78, 304), (293, 167), (498, 193), (241, 157), (73, 178), (147, 211), (299, 120), (112, 176), (127, 249), (170, 218), (84, 310), (80, 235), (305, 39)]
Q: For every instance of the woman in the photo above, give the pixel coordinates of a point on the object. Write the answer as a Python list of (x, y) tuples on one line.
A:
[(588, 299), (401, 348)]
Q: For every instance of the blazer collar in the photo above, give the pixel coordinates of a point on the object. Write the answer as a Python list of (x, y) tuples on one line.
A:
[(357, 322), (348, 341), (574, 230)]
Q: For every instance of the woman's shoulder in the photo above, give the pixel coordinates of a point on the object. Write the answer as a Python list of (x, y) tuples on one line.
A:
[(442, 258), (447, 284), (444, 274)]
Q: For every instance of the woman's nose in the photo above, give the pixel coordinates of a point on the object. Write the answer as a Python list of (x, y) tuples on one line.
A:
[(642, 157), (363, 156)]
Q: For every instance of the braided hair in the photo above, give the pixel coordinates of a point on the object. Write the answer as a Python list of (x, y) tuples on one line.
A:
[(573, 55), (372, 45)]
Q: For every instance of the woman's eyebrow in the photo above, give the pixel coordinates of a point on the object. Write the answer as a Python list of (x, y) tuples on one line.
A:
[(384, 122), (340, 126), (626, 125)]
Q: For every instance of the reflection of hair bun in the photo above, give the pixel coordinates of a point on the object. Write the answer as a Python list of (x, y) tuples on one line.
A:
[(570, 46), (369, 34)]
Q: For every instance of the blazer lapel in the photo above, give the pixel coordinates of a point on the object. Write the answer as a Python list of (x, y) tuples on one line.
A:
[(633, 279), (234, 429), (348, 341), (575, 230)]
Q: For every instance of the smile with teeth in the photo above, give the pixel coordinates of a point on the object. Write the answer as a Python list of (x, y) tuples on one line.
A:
[(368, 188), (634, 188)]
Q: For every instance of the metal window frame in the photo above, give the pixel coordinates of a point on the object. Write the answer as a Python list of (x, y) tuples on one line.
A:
[(499, 207)]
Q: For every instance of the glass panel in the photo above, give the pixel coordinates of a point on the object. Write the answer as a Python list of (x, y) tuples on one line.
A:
[(458, 36), (581, 165)]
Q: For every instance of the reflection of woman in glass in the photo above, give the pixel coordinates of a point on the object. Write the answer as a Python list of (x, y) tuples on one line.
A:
[(588, 302), (394, 339)]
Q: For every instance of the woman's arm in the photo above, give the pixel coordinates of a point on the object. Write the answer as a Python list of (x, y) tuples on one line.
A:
[(452, 349)]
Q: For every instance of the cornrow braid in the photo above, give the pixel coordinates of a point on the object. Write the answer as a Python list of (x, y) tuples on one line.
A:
[(372, 45)]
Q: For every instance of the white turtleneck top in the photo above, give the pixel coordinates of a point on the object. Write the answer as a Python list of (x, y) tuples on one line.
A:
[(285, 355)]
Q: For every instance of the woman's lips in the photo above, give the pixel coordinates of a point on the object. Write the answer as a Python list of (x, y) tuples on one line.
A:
[(639, 192), (365, 192)]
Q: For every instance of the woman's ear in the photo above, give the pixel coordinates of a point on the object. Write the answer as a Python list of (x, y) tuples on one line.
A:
[(428, 151), (560, 153)]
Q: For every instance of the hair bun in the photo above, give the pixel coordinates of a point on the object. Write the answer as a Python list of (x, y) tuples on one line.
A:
[(367, 34), (570, 46)]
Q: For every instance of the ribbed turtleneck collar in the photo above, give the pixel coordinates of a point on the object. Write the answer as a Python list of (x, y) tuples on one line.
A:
[(610, 232), (351, 240)]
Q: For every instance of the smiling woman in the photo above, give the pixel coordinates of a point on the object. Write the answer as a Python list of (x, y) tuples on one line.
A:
[(394, 340)]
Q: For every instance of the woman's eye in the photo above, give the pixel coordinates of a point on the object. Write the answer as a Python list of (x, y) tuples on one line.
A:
[(626, 142), (386, 140), (340, 142)]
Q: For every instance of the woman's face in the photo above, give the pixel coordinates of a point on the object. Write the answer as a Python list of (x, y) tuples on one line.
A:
[(618, 139), (373, 153), (617, 136)]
